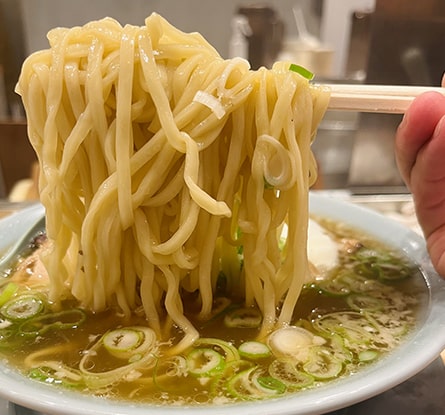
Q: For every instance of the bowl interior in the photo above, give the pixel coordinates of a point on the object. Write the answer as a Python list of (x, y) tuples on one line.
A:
[(420, 348)]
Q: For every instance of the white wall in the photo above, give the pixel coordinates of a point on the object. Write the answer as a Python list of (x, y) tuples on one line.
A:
[(210, 17), (335, 29)]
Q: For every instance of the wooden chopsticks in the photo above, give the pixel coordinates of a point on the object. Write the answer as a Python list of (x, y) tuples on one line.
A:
[(375, 98)]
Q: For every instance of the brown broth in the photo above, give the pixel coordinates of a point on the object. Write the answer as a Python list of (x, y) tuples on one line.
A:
[(393, 311)]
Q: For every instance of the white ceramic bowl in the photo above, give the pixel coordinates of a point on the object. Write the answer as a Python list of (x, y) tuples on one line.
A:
[(419, 350)]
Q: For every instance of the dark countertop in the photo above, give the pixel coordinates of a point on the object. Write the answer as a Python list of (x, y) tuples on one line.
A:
[(422, 394)]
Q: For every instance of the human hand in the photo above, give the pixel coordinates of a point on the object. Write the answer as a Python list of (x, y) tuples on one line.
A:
[(420, 156)]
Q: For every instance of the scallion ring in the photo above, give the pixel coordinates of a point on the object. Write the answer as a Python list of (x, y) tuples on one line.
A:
[(301, 70), (128, 342), (246, 318), (205, 362), (322, 364), (254, 350), (62, 320), (22, 307)]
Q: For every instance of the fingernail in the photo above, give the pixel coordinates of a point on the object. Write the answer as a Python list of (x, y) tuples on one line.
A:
[(404, 120), (439, 127)]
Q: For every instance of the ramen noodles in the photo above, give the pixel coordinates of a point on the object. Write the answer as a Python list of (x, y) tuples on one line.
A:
[(351, 316), (175, 185)]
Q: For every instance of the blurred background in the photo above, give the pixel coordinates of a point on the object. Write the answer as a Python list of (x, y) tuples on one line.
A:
[(395, 42)]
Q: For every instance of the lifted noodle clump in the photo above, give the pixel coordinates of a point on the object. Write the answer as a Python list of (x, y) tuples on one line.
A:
[(157, 157)]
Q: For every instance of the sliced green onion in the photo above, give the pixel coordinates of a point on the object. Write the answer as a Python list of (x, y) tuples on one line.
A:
[(252, 384), (269, 385), (254, 350), (351, 325), (392, 325), (338, 348), (126, 368), (63, 320), (362, 302), (357, 283), (288, 373), (322, 364), (205, 362), (219, 382), (22, 307), (221, 306), (241, 386), (385, 266), (228, 349), (66, 377), (129, 342), (122, 340), (246, 317), (333, 287), (368, 355), (390, 272), (8, 291), (305, 73)]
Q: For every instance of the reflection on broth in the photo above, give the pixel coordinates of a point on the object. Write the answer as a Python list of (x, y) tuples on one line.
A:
[(347, 318)]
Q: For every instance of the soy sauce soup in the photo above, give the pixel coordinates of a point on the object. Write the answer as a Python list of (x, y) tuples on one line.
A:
[(346, 319)]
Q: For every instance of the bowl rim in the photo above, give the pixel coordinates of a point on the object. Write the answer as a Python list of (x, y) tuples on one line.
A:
[(398, 366)]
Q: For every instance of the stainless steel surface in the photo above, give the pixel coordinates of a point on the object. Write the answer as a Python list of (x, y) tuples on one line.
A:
[(356, 151), (333, 147), (373, 160)]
